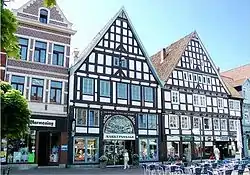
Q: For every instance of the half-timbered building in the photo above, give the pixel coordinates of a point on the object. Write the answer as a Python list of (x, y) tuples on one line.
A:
[(200, 111), (114, 98)]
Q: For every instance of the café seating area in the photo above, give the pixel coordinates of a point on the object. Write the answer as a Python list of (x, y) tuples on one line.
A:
[(222, 167)]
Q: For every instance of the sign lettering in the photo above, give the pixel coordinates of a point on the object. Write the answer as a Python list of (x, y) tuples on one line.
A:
[(119, 136), (42, 122)]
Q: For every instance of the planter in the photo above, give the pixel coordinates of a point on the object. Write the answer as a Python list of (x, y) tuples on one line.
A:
[(103, 164)]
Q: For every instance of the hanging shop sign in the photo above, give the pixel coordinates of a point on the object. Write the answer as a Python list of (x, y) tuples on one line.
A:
[(187, 138), (42, 123), (119, 136)]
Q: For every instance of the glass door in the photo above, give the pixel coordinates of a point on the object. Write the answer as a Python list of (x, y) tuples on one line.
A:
[(54, 148), (114, 149)]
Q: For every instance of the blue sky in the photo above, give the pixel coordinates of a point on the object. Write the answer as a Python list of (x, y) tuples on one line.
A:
[(223, 25)]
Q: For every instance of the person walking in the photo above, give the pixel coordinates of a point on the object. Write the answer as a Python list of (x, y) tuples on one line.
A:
[(126, 159), (216, 153)]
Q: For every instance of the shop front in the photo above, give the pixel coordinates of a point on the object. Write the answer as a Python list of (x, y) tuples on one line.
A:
[(42, 145), (226, 145), (118, 136)]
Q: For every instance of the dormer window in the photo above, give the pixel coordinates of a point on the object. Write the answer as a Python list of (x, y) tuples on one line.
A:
[(43, 16)]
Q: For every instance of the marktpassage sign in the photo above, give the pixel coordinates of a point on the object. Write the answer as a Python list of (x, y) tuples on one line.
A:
[(119, 136), (42, 122)]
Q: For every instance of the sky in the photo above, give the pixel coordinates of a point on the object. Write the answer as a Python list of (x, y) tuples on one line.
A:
[(222, 25)]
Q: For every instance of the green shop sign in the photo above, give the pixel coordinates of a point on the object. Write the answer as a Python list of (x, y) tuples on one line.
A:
[(187, 138)]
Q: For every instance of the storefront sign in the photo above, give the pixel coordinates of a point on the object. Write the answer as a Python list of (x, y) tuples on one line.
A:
[(119, 136), (222, 138), (64, 147), (42, 122), (187, 138)]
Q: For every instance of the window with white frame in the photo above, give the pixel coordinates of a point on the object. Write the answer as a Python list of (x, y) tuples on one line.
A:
[(207, 123), (104, 88), (197, 122), (223, 124), (199, 100), (136, 92), (234, 105), (208, 80), (199, 78), (122, 90), (216, 123), (173, 121), (190, 77), (175, 97), (85, 117), (185, 122), (88, 86), (220, 103), (148, 94), (195, 78), (233, 125), (185, 76)]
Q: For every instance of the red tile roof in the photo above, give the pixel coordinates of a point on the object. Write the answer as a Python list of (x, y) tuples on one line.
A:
[(238, 75)]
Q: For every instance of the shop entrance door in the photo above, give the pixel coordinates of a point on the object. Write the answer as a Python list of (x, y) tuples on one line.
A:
[(48, 148), (114, 150), (187, 150)]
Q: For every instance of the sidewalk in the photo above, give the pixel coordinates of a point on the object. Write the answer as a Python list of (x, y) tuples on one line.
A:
[(79, 171)]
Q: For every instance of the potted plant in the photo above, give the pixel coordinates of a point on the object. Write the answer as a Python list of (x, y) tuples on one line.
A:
[(103, 161), (135, 160)]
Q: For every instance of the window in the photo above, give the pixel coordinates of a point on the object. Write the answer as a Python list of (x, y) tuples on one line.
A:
[(204, 80), (122, 90), (175, 97), (185, 76), (43, 16), (152, 121), (233, 125), (116, 61), (58, 55), (184, 122), (148, 149), (208, 80), (147, 121), (207, 123), (88, 86), (37, 89), (84, 117), (173, 122), (86, 149), (199, 78), (223, 124), (197, 123), (220, 103), (148, 92), (17, 82), (199, 100), (136, 92), (55, 91), (93, 118), (234, 105), (216, 123), (195, 77), (190, 77), (40, 52), (21, 150), (23, 43), (104, 88), (124, 62)]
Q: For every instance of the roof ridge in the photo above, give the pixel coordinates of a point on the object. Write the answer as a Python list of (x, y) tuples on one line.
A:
[(236, 68)]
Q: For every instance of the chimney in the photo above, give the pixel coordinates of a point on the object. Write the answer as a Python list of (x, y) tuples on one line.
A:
[(75, 54), (163, 54), (218, 69)]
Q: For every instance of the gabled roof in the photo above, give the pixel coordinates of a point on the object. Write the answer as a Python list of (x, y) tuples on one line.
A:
[(171, 58), (100, 35), (30, 2), (173, 54), (238, 75)]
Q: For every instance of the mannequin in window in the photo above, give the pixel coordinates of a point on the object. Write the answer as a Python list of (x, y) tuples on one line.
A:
[(216, 153), (126, 159)]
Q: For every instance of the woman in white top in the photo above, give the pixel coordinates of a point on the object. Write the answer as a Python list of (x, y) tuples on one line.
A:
[(126, 159)]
